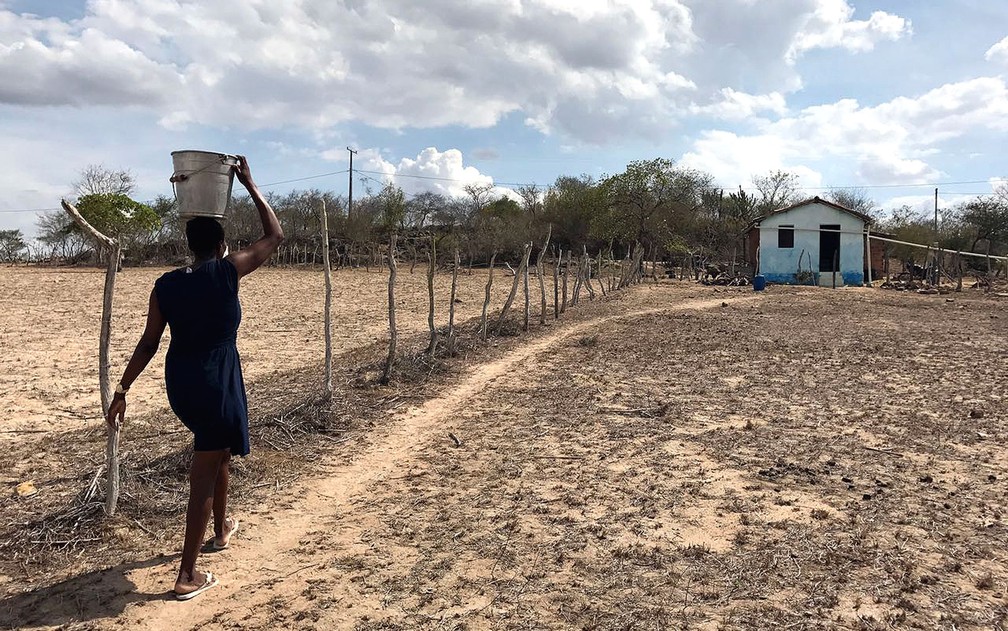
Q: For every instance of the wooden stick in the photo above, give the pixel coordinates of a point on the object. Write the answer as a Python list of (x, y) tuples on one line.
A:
[(105, 387), (563, 305), (80, 221), (486, 298), (393, 333), (881, 451), (556, 284), (525, 275), (432, 255), (328, 301), (112, 444), (514, 288), (541, 268), (451, 303)]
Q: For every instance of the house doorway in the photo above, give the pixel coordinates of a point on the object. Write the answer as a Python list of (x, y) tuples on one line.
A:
[(829, 248)]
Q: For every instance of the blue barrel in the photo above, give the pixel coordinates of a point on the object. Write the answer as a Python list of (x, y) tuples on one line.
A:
[(759, 282)]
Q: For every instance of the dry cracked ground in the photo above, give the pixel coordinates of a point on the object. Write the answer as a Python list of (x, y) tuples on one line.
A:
[(675, 457)]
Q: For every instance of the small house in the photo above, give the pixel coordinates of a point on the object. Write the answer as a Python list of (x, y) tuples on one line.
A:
[(812, 242)]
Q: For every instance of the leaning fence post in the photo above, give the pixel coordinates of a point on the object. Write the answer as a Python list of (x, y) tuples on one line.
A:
[(541, 268), (105, 388)]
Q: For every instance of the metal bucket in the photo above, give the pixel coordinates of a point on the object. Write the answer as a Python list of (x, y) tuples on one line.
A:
[(202, 182)]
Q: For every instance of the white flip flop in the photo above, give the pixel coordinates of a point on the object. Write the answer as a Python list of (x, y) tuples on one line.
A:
[(211, 580), (234, 529)]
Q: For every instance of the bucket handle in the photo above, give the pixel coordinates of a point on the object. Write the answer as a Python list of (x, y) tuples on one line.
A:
[(177, 177)]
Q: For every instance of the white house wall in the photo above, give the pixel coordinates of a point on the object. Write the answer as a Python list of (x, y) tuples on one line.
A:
[(780, 265)]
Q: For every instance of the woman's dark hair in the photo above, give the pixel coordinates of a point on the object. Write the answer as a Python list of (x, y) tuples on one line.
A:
[(204, 235)]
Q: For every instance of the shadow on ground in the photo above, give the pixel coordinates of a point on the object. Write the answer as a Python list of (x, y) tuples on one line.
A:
[(81, 599)]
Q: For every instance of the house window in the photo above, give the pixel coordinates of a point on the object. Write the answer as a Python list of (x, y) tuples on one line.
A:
[(785, 237)]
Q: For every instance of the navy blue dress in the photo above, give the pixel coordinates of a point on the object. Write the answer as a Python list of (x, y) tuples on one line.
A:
[(202, 369)]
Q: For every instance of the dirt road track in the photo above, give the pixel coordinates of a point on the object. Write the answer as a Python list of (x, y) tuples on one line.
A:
[(265, 564)]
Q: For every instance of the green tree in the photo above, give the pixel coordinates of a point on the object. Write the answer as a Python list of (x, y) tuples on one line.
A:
[(652, 201), (987, 217), (392, 202), (573, 206), (912, 226), (118, 216)]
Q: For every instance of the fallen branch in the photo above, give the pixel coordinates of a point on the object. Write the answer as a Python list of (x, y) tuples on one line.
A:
[(888, 452)]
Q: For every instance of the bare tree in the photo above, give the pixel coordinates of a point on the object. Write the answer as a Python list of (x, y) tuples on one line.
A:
[(856, 199), (532, 199), (95, 179), (777, 189)]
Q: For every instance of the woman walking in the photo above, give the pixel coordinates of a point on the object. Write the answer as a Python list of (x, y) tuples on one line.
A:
[(203, 371)]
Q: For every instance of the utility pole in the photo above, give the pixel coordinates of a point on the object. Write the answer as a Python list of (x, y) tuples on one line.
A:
[(350, 200)]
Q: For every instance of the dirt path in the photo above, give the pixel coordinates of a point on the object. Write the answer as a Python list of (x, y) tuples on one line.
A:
[(265, 564), (656, 461)]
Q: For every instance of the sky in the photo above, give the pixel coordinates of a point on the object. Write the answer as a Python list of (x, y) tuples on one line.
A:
[(895, 97)]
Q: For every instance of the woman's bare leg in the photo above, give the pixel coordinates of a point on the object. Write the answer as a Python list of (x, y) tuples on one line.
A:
[(220, 496), (202, 480)]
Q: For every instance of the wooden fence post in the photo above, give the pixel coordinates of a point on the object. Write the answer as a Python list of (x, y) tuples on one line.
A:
[(514, 286), (328, 301), (393, 333), (104, 385), (486, 299), (541, 269), (451, 303), (566, 275), (525, 276), (432, 255), (556, 283)]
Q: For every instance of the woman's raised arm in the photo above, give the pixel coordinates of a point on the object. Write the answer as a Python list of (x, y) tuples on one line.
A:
[(249, 259)]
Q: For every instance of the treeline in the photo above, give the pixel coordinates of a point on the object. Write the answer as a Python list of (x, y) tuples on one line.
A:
[(672, 212)]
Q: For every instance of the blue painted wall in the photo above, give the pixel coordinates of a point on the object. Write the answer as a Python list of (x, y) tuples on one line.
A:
[(780, 265)]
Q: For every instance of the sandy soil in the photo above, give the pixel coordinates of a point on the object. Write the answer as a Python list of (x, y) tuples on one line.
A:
[(675, 457), (49, 322)]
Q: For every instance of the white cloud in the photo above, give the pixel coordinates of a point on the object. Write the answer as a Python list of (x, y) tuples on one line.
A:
[(591, 70), (924, 204), (998, 52), (431, 170), (883, 144), (734, 159), (830, 26), (736, 105)]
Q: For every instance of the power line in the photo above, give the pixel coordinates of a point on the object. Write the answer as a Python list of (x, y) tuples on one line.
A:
[(916, 185), (27, 210), (302, 179)]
